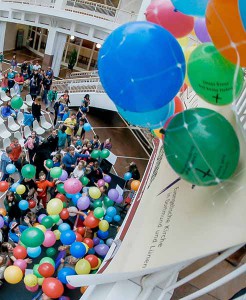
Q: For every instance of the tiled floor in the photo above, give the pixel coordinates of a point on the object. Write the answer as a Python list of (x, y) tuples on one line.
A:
[(126, 146)]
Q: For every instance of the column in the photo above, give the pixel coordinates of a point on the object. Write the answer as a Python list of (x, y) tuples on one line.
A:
[(60, 4), (2, 35), (54, 50), (142, 10)]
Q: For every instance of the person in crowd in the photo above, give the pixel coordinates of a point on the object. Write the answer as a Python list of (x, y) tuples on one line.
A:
[(7, 111), (56, 110), (11, 78), (46, 84), (106, 145), (78, 142), (28, 117), (16, 151), (24, 67), (50, 72), (43, 152), (83, 109), (79, 170), (31, 145), (1, 60), (95, 142), (36, 109), (19, 81), (79, 128), (62, 137), (65, 97), (42, 186), (70, 124), (70, 159), (52, 141), (34, 87), (96, 173), (31, 188), (133, 169), (61, 110), (22, 161), (11, 204), (13, 62), (15, 231), (66, 114), (5, 83), (37, 66), (30, 69), (52, 96), (87, 100), (5, 160)]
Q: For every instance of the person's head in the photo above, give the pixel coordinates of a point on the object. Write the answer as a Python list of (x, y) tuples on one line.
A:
[(95, 138), (14, 227), (29, 109), (103, 189), (8, 150), (108, 141), (31, 216), (87, 170), (57, 158), (66, 92), (10, 196), (54, 88), (87, 97), (63, 129), (89, 145), (42, 176), (15, 142), (81, 121), (73, 116), (80, 165), (66, 109), (77, 137), (96, 165), (22, 155), (10, 70), (18, 75), (33, 134), (6, 247), (14, 56), (37, 63), (49, 68), (71, 150), (54, 133), (74, 140)]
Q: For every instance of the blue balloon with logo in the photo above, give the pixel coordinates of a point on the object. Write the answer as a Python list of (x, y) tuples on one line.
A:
[(102, 234), (242, 10), (10, 168), (23, 205), (191, 7), (34, 252), (87, 127), (141, 66), (152, 119), (64, 272)]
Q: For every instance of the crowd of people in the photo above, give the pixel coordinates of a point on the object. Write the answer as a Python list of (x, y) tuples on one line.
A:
[(66, 147)]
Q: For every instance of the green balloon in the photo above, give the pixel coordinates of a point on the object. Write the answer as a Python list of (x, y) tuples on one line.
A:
[(47, 260), (36, 272), (51, 251), (32, 237), (97, 203), (21, 244), (105, 153), (212, 76), (47, 222), (55, 218), (49, 163), (107, 202), (16, 102), (84, 180), (60, 188), (64, 204), (28, 171), (206, 150), (95, 153), (56, 172), (98, 212)]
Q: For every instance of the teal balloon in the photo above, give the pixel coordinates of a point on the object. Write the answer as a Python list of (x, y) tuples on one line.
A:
[(191, 7), (60, 188), (36, 272), (32, 237), (105, 153), (151, 119), (28, 171), (49, 163), (50, 252), (47, 222), (56, 172), (34, 252), (16, 102)]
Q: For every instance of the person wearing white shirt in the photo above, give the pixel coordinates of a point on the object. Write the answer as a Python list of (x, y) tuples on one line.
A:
[(79, 170)]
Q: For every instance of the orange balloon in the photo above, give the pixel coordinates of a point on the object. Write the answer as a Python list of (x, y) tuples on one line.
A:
[(179, 106), (3, 212), (156, 133), (83, 289), (135, 185), (225, 27)]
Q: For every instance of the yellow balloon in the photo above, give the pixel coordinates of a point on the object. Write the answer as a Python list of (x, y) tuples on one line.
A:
[(94, 192), (13, 274), (106, 184), (86, 247), (40, 281), (57, 234), (103, 225), (156, 133), (41, 227), (82, 267), (98, 265), (31, 280), (184, 41), (20, 189), (54, 206)]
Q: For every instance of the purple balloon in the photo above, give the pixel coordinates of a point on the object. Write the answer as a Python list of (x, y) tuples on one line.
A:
[(107, 178), (100, 182), (96, 241), (101, 249), (83, 202), (64, 298), (113, 194), (1, 222), (201, 30), (63, 176), (119, 199), (40, 218)]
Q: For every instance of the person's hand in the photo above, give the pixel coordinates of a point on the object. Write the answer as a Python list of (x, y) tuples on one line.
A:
[(44, 162), (28, 260), (26, 219), (62, 261), (39, 190), (72, 166)]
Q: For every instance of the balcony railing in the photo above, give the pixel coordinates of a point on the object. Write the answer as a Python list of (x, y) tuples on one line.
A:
[(46, 3)]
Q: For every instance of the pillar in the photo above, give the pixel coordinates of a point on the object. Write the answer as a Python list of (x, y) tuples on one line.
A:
[(54, 50), (2, 34), (142, 10), (60, 4)]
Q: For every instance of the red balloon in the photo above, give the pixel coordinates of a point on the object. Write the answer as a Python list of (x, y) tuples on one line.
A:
[(78, 237), (90, 221), (179, 106), (92, 259), (61, 197), (46, 270), (81, 230), (64, 214), (52, 287), (20, 252), (32, 203), (183, 88), (3, 186), (164, 14), (89, 242)]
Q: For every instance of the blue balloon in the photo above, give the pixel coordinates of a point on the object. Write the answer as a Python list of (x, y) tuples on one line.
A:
[(108, 218), (111, 211), (152, 120), (242, 10), (102, 234), (67, 237), (64, 272), (69, 196), (101, 242), (34, 252), (75, 198), (64, 227), (23, 205), (191, 7), (127, 175), (141, 66), (14, 186), (78, 249), (91, 251), (109, 242), (117, 218), (87, 127), (10, 168)]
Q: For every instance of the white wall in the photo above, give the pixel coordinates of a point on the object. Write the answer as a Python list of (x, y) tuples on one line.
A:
[(10, 36)]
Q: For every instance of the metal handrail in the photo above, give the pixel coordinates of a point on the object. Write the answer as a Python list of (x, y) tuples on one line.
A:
[(46, 3), (84, 74)]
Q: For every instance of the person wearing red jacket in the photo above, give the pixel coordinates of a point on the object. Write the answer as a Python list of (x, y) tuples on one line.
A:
[(43, 185)]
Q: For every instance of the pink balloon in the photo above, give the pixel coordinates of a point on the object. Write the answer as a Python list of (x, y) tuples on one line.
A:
[(100, 182), (72, 186), (21, 263), (163, 13), (32, 288), (69, 286), (49, 238)]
